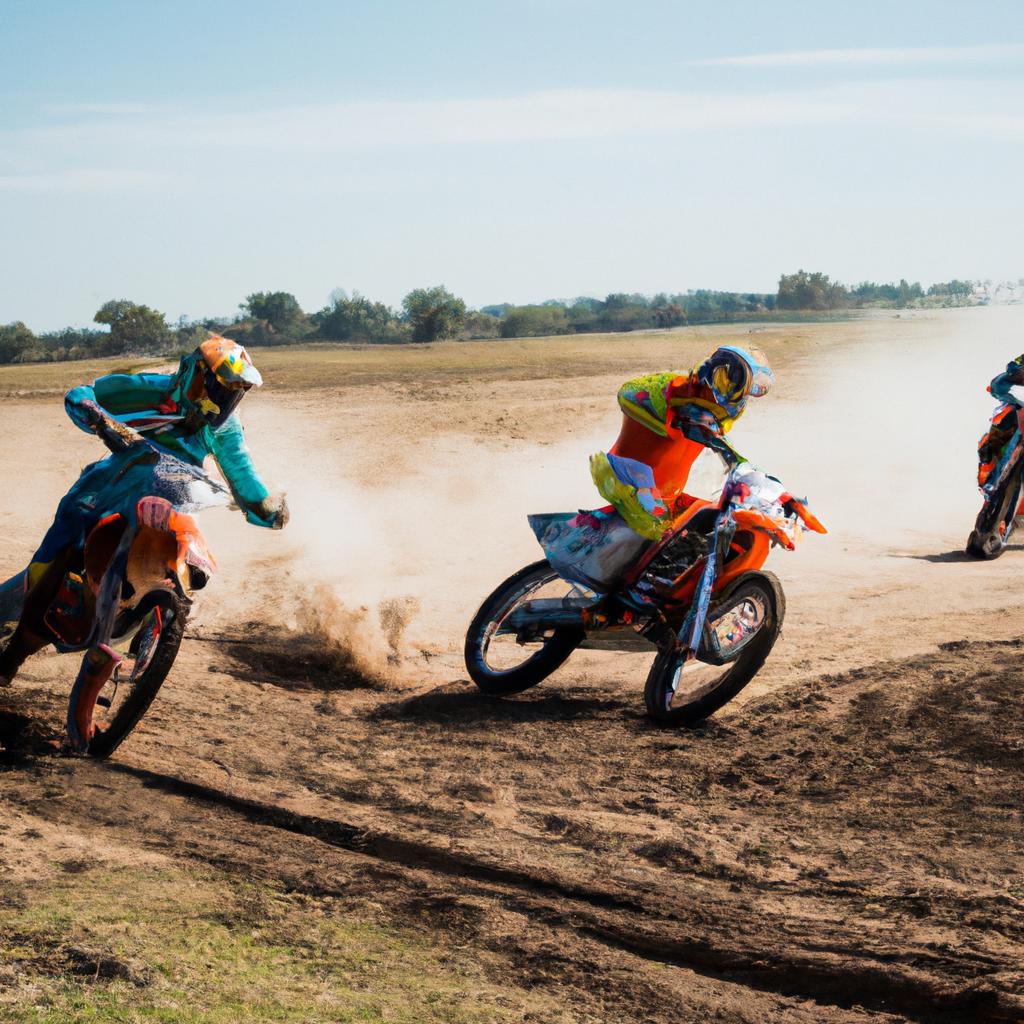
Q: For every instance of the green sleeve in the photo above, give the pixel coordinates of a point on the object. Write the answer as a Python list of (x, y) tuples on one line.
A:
[(228, 447)]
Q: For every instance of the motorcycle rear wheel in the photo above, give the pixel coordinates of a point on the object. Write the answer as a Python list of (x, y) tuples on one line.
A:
[(540, 661), (679, 692), (134, 687)]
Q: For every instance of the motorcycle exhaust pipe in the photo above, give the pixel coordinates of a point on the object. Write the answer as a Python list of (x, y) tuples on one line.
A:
[(544, 613)]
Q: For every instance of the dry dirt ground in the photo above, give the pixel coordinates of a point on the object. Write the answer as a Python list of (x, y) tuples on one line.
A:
[(343, 829)]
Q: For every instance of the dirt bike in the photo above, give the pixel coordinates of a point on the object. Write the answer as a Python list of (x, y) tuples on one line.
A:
[(712, 617), (126, 601), (1000, 467)]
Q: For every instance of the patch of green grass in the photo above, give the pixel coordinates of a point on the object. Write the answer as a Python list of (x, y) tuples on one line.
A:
[(142, 945)]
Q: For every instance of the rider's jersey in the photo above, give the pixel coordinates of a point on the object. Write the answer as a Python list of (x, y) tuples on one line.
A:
[(143, 401), (668, 420)]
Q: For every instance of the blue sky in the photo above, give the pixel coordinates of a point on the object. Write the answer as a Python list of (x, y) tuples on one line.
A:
[(185, 154)]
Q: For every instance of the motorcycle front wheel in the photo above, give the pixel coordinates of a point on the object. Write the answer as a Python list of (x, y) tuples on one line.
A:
[(498, 663), (995, 522), (746, 622), (148, 647)]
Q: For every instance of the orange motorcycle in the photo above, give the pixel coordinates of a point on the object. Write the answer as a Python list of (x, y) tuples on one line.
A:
[(1000, 467), (712, 614), (126, 598)]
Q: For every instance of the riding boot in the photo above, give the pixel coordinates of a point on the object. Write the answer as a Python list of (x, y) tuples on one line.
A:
[(32, 633)]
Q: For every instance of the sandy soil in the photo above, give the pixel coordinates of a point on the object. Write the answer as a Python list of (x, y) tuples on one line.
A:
[(842, 843)]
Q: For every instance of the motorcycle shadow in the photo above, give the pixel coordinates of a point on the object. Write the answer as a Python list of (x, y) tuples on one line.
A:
[(957, 555), (457, 703)]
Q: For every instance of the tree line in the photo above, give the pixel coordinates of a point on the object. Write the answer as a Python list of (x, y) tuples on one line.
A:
[(817, 292), (432, 314)]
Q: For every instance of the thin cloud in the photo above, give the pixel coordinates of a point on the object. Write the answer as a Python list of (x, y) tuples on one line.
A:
[(185, 139), (558, 115), (895, 55), (82, 180), (98, 108)]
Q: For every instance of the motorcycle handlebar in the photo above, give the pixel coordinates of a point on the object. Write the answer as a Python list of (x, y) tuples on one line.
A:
[(116, 436)]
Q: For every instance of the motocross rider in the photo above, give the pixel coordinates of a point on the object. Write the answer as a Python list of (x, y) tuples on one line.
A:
[(1007, 388), (191, 413), (668, 420)]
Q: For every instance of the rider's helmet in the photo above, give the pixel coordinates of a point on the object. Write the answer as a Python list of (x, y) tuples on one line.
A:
[(733, 374), (215, 377), (1015, 368)]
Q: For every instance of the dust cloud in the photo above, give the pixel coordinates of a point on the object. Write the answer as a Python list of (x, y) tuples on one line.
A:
[(880, 436)]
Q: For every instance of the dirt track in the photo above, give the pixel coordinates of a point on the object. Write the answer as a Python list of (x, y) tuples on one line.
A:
[(844, 845)]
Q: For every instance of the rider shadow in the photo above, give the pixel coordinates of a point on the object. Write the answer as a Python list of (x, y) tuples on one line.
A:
[(456, 704)]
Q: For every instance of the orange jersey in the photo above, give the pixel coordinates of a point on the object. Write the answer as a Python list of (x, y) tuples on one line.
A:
[(670, 456)]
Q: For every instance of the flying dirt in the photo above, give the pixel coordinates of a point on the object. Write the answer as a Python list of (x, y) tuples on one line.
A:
[(840, 843)]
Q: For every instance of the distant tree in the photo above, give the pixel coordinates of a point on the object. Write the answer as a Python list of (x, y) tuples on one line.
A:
[(15, 341), (133, 328), (667, 314), (868, 293), (707, 304), (433, 313), (809, 291), (73, 342), (534, 321), (356, 319), (957, 291), (479, 324), (281, 310), (907, 293), (190, 334), (622, 300), (498, 310)]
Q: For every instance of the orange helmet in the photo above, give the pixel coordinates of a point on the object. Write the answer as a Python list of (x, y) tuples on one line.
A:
[(215, 378)]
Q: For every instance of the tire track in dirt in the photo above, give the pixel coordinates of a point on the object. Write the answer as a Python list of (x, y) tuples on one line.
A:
[(834, 974)]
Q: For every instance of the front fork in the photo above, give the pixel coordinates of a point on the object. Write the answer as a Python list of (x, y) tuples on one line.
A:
[(688, 638), (98, 665), (100, 659)]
